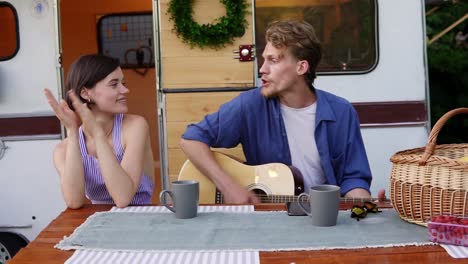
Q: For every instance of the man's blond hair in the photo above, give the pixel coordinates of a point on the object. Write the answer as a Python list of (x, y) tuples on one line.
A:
[(299, 38)]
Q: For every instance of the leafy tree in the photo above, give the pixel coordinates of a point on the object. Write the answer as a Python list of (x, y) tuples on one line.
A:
[(448, 67)]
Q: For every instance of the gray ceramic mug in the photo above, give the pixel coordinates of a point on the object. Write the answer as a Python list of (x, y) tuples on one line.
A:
[(324, 204), (184, 195)]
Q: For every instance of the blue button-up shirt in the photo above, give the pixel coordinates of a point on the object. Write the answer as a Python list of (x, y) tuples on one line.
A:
[(256, 123)]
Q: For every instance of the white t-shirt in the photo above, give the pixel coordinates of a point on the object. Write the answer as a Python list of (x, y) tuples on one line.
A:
[(300, 130)]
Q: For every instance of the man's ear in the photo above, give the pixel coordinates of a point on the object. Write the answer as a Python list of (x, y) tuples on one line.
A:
[(302, 67)]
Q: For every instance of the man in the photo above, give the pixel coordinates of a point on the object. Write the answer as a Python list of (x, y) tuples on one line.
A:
[(287, 120)]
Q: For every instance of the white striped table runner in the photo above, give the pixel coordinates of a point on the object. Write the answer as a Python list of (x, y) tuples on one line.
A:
[(180, 257), (201, 209), (109, 257), (456, 251)]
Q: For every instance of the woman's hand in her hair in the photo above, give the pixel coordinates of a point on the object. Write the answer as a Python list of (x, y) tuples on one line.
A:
[(67, 116), (90, 124)]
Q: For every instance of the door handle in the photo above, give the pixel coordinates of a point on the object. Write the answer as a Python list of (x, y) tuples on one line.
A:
[(3, 148), (244, 53)]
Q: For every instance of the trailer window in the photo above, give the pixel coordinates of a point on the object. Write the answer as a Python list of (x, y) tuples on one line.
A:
[(9, 36), (346, 29), (128, 37)]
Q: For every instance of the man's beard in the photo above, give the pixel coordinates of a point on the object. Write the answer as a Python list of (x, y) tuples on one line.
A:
[(268, 92)]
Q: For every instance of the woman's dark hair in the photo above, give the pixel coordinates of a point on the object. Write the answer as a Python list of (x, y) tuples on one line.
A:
[(88, 70)]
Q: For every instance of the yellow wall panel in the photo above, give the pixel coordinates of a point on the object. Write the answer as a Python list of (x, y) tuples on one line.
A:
[(183, 66), (192, 107)]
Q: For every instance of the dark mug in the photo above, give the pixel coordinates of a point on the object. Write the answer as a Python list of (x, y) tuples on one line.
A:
[(324, 204), (184, 195)]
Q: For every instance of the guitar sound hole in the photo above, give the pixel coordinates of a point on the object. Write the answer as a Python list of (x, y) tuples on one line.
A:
[(261, 195)]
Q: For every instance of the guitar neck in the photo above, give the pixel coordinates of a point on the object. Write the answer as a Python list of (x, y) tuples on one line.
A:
[(264, 198), (362, 200)]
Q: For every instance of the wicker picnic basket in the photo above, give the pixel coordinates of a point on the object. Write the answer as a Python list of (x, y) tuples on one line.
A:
[(432, 180)]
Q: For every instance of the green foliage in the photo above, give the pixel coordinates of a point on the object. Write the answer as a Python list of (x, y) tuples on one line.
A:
[(209, 35), (448, 66)]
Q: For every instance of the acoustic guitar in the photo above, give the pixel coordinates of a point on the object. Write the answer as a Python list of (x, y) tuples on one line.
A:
[(272, 182)]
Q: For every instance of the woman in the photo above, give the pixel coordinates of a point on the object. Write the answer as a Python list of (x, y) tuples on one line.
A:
[(108, 158)]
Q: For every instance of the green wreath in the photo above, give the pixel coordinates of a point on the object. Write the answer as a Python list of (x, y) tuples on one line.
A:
[(217, 35)]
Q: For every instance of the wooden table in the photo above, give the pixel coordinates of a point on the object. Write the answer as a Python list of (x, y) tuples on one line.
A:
[(42, 250)]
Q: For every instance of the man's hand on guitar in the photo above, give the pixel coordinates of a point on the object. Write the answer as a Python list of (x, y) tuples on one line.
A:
[(239, 195), (381, 196), (359, 193)]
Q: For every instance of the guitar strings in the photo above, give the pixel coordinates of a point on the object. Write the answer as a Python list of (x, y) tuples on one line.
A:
[(294, 198)]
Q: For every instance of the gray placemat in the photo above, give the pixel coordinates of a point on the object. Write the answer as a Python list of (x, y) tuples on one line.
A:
[(265, 231)]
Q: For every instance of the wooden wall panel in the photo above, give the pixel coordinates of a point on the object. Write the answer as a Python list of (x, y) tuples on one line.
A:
[(205, 72), (295, 3), (183, 66), (175, 129), (194, 106), (174, 47)]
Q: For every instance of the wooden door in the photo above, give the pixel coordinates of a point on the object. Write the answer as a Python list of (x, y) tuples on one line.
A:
[(196, 81)]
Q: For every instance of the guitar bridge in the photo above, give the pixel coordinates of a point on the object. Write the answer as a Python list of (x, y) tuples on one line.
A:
[(218, 197)]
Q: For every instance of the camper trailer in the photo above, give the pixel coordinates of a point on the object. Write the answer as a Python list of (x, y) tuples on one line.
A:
[(374, 56)]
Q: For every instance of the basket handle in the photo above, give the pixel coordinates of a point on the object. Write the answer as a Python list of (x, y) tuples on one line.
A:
[(432, 141)]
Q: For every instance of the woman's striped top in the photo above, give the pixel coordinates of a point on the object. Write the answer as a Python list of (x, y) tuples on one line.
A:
[(95, 187)]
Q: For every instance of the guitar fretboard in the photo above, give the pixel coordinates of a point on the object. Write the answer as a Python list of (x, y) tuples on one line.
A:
[(264, 198), (268, 198)]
